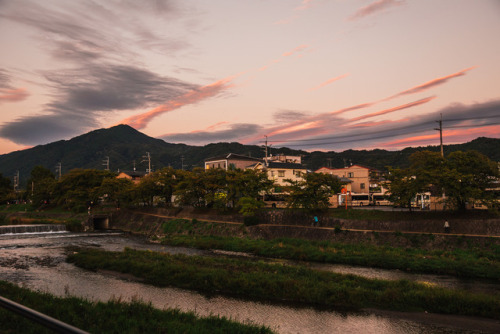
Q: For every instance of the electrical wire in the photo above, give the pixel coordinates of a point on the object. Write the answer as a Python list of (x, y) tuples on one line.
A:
[(345, 140)]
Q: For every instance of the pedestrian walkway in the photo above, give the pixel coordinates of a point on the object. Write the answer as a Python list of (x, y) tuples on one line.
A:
[(323, 228)]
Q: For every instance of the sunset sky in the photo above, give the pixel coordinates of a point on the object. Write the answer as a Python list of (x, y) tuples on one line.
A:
[(308, 74)]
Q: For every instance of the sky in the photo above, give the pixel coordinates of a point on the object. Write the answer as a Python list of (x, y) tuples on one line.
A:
[(326, 75)]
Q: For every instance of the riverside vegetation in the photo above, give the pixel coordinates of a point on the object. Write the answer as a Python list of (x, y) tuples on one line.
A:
[(258, 280), (94, 317), (473, 262)]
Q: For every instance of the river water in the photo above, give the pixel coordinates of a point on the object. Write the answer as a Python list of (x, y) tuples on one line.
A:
[(37, 261)]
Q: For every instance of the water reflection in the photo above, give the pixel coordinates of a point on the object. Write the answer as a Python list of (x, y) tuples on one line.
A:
[(38, 263)]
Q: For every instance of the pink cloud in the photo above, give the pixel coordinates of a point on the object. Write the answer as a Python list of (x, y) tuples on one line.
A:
[(299, 48), (371, 124), (414, 90), (450, 136), (401, 107), (13, 95), (356, 107), (431, 83), (329, 81), (306, 4), (215, 126), (374, 8), (192, 97)]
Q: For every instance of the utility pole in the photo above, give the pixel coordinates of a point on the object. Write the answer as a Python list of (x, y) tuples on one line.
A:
[(16, 181), (105, 162), (440, 129), (182, 162), (59, 170), (265, 149), (148, 157)]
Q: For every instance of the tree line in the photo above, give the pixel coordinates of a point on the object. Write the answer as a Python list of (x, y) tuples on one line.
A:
[(459, 179), (221, 189), (462, 177)]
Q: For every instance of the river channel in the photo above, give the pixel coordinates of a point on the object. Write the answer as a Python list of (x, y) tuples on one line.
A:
[(37, 261)]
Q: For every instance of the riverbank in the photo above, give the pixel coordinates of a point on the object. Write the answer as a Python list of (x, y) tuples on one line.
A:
[(457, 255), (252, 279), (94, 317)]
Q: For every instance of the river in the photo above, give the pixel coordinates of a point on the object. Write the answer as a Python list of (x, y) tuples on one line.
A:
[(37, 261)]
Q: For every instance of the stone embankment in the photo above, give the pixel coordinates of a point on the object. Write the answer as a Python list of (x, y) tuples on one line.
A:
[(421, 234)]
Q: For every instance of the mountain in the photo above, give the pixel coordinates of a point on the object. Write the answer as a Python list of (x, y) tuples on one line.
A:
[(124, 145)]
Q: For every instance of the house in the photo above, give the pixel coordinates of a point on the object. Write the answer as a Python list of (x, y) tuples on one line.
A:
[(134, 176), (297, 159), (230, 160), (281, 171), (364, 179)]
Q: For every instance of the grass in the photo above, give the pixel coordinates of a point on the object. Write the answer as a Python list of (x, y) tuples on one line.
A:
[(471, 263), (110, 317), (274, 282)]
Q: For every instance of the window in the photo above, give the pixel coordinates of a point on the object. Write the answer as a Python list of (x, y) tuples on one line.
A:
[(281, 173), (272, 173), (350, 174), (362, 186)]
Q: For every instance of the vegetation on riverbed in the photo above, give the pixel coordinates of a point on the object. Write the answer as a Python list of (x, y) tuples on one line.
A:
[(111, 317), (471, 263), (274, 282)]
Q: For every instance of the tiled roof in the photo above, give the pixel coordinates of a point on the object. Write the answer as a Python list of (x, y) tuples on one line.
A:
[(232, 156)]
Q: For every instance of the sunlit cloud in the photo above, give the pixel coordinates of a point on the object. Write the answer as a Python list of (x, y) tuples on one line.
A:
[(234, 132), (192, 97), (373, 8), (329, 81), (13, 95), (306, 4), (401, 107), (414, 90), (373, 124), (298, 49), (303, 126), (450, 136), (431, 83), (356, 107), (216, 125)]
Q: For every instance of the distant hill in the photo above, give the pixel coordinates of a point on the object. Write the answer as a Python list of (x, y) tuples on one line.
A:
[(124, 145)]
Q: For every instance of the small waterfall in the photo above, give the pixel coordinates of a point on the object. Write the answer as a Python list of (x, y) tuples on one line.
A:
[(46, 228)]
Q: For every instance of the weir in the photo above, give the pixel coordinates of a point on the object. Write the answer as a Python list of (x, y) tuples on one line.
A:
[(45, 228)]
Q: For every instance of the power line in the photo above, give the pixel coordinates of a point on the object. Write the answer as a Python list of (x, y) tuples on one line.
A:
[(345, 138)]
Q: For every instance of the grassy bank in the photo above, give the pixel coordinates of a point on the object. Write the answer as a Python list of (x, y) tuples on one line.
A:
[(471, 263), (110, 317), (274, 282)]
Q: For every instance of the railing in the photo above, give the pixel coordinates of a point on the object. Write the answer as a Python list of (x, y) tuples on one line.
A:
[(44, 320)]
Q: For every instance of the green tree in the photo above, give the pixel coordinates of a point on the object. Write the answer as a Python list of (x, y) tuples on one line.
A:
[(6, 191), (463, 177), (313, 192), (467, 177), (167, 179), (80, 188), (191, 188), (40, 186), (403, 187), (117, 191), (246, 183)]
